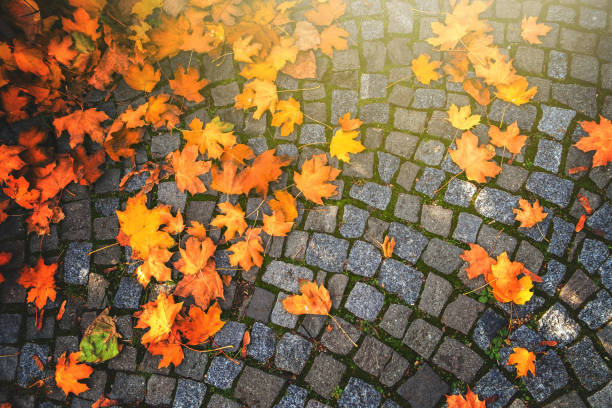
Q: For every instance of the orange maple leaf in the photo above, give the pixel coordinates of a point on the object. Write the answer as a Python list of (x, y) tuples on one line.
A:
[(200, 326), (82, 23), (30, 59), (531, 30), (19, 190), (61, 175), (233, 220), (478, 91), (285, 203), (516, 92), (313, 300), (471, 400), (187, 169), (69, 371), (287, 115), (259, 93), (529, 215), (505, 282), (88, 166), (13, 104), (474, 159), (247, 253), (197, 230), (508, 139), (158, 316), (479, 261), (40, 279), (170, 349), (61, 51), (205, 286), (117, 144), (187, 83), (211, 139), (195, 256), (154, 266), (31, 139), (113, 60), (43, 215), (325, 13), (599, 140), (424, 69), (226, 180), (276, 225), (142, 79), (523, 360), (314, 180), (333, 37), (388, 246), (237, 154), (244, 50), (347, 124), (265, 168), (81, 122), (161, 113), (10, 160)]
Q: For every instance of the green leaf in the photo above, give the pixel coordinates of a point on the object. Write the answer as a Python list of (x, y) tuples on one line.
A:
[(99, 342)]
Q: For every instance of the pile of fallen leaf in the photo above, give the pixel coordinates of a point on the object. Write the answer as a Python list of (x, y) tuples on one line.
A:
[(57, 57)]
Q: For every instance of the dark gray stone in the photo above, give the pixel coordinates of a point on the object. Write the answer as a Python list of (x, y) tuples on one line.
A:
[(28, 371), (407, 174), (372, 194), (461, 313), (168, 193), (262, 343), (189, 394), (590, 368), (223, 372), (363, 259), (408, 207), (230, 335), (394, 370), (487, 328), (548, 156), (160, 390), (364, 301), (555, 271), (580, 98), (457, 358), (76, 263), (10, 325), (467, 228), (401, 279), (425, 98), (128, 294), (551, 188), (164, 144), (436, 292), (193, 366), (292, 353), (76, 224), (296, 245), (335, 340), (430, 181), (325, 375), (353, 221), (125, 360), (598, 311), (285, 275), (258, 388), (557, 325), (442, 256), (511, 178), (601, 220), (224, 94), (295, 397), (494, 386), (424, 389), (529, 256), (395, 320), (327, 252), (593, 254), (359, 394), (422, 337), (261, 304), (372, 356), (128, 388), (45, 332), (601, 399), (584, 68), (496, 204), (336, 286), (550, 377), (561, 236)]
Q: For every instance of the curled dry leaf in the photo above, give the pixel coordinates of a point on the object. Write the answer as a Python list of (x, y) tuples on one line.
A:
[(388, 246)]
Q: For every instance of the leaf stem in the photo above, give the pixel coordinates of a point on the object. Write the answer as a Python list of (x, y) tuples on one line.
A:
[(343, 331), (316, 121)]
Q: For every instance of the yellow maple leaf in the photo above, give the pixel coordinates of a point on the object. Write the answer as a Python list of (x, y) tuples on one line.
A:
[(158, 316), (261, 94), (244, 51), (213, 138), (531, 30), (333, 37), (516, 92), (143, 79), (344, 143), (287, 115), (461, 118), (143, 8), (424, 69)]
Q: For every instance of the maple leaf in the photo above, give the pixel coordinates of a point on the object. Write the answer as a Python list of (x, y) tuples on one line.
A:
[(139, 227), (117, 144), (479, 261), (448, 33), (161, 113), (276, 225), (30, 59), (313, 300), (237, 153), (212, 139), (265, 168), (457, 67), (200, 326), (232, 219), (19, 190), (264, 97), (282, 53), (325, 13), (529, 215), (69, 371), (187, 83), (187, 169), (516, 92), (197, 230), (43, 215), (26, 15), (498, 71), (314, 180), (88, 166), (56, 180), (13, 104), (388, 246), (333, 37), (344, 143), (61, 51), (462, 118), (307, 36), (142, 8), (226, 180), (169, 37), (261, 70), (81, 122), (287, 115), (531, 30), (171, 352), (348, 124), (508, 139), (30, 139), (285, 203), (505, 282), (154, 266), (113, 60), (523, 360), (599, 139), (10, 160), (474, 159), (247, 253), (471, 400), (40, 279), (93, 7), (244, 51), (205, 286), (226, 11), (424, 69), (195, 256), (82, 23), (143, 79), (158, 316)]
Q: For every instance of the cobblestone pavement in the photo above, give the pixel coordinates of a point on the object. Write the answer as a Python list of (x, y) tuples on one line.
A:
[(421, 334)]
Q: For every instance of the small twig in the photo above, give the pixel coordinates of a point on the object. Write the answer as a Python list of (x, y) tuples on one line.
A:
[(316, 121), (343, 331), (541, 233), (449, 180), (104, 247)]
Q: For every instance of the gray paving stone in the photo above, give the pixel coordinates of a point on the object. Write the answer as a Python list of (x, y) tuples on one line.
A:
[(601, 175), (529, 59), (461, 313), (222, 372), (548, 156), (285, 275), (524, 115), (467, 227), (412, 121), (401, 279), (530, 256), (262, 344), (193, 366), (373, 138), (359, 394), (598, 311), (436, 292), (164, 144), (335, 340), (550, 377), (561, 236), (457, 358), (312, 133), (76, 224), (325, 374), (261, 304), (160, 390), (372, 356), (424, 389), (230, 335), (327, 252), (394, 370), (497, 204), (280, 316), (577, 97), (557, 325), (189, 394), (601, 399), (442, 256), (590, 368), (425, 98), (363, 259), (430, 181), (292, 353), (557, 65), (401, 95), (343, 102), (593, 254), (296, 245), (168, 193), (487, 328), (128, 388), (125, 361), (401, 144), (295, 397), (10, 324), (388, 165), (76, 263), (555, 271), (400, 17), (577, 290), (408, 207), (372, 194), (28, 371), (565, 401), (373, 86), (224, 94), (430, 152), (361, 165), (511, 178), (258, 388), (495, 386), (322, 218), (364, 301), (459, 193), (374, 53), (584, 68), (128, 294), (399, 51), (601, 220), (436, 219), (395, 320), (372, 29), (551, 188)]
